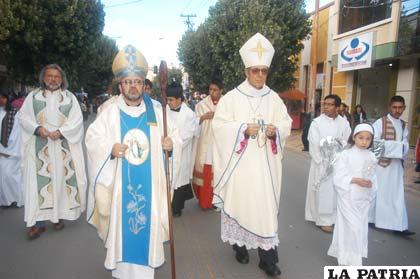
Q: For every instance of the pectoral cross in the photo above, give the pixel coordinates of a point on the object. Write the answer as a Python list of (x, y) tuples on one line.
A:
[(258, 119)]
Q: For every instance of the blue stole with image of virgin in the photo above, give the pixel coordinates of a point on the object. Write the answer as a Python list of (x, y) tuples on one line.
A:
[(136, 198)]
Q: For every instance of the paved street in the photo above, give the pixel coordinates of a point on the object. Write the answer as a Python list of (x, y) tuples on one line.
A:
[(77, 253)]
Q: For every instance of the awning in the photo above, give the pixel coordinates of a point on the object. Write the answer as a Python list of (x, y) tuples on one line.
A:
[(293, 94)]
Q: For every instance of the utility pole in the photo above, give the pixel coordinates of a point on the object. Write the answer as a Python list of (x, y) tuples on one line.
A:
[(188, 22), (314, 60)]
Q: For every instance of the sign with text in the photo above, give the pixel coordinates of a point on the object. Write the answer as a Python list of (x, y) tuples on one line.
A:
[(371, 272), (355, 53)]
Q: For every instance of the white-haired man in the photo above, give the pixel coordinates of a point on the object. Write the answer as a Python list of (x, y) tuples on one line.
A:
[(250, 127), (53, 162)]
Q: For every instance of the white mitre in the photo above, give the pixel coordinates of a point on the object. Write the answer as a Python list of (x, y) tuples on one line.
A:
[(257, 51)]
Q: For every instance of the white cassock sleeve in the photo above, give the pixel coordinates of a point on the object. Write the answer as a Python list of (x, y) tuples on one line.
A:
[(197, 126), (314, 138), (392, 148), (173, 133), (26, 116), (347, 133), (177, 143), (405, 142), (342, 177), (226, 132), (188, 130), (99, 145), (72, 129)]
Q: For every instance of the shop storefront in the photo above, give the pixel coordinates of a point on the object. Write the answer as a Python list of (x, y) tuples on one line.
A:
[(375, 86)]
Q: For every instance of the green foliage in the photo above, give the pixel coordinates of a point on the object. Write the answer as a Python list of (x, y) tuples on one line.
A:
[(65, 32), (8, 23), (214, 47), (175, 74), (94, 70), (196, 55)]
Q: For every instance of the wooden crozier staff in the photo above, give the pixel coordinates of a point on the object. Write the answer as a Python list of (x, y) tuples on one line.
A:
[(163, 82)]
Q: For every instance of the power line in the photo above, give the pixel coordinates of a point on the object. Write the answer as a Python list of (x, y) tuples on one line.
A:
[(202, 4), (123, 4), (187, 6), (188, 22)]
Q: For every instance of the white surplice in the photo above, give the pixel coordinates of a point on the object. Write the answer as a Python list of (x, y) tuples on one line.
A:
[(321, 201), (105, 175), (186, 123), (389, 211), (350, 239), (11, 186), (247, 172), (59, 161)]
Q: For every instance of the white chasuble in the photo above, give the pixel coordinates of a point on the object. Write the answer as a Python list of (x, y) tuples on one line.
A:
[(389, 211), (247, 171), (350, 238), (108, 177), (53, 170), (320, 204)]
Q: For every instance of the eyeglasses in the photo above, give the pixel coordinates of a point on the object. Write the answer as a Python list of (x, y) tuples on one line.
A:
[(132, 81), (326, 104), (52, 76), (256, 71)]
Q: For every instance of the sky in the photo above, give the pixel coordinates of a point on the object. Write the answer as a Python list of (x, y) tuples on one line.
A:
[(155, 27)]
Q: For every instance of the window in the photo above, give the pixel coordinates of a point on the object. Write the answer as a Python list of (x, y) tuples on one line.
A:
[(358, 13), (409, 28)]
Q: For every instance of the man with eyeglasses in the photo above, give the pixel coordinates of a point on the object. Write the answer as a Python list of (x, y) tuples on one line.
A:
[(250, 127), (320, 196), (53, 165), (127, 199)]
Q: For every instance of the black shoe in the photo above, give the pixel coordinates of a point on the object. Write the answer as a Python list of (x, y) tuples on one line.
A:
[(405, 233), (271, 270), (177, 214), (242, 255)]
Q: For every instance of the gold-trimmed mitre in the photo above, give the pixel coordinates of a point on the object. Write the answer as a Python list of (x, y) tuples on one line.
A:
[(257, 51), (129, 61)]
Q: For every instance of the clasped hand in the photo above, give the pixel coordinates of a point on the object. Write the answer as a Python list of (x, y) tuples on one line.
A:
[(366, 183), (253, 128), (118, 149), (44, 133)]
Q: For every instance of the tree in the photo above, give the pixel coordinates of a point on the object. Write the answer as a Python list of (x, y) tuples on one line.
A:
[(95, 67), (195, 53), (232, 22), (8, 22), (175, 74), (59, 31)]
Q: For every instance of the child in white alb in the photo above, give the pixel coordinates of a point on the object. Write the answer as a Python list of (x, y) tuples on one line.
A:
[(355, 184)]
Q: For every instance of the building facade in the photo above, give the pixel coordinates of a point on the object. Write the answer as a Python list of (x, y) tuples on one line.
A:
[(367, 52)]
